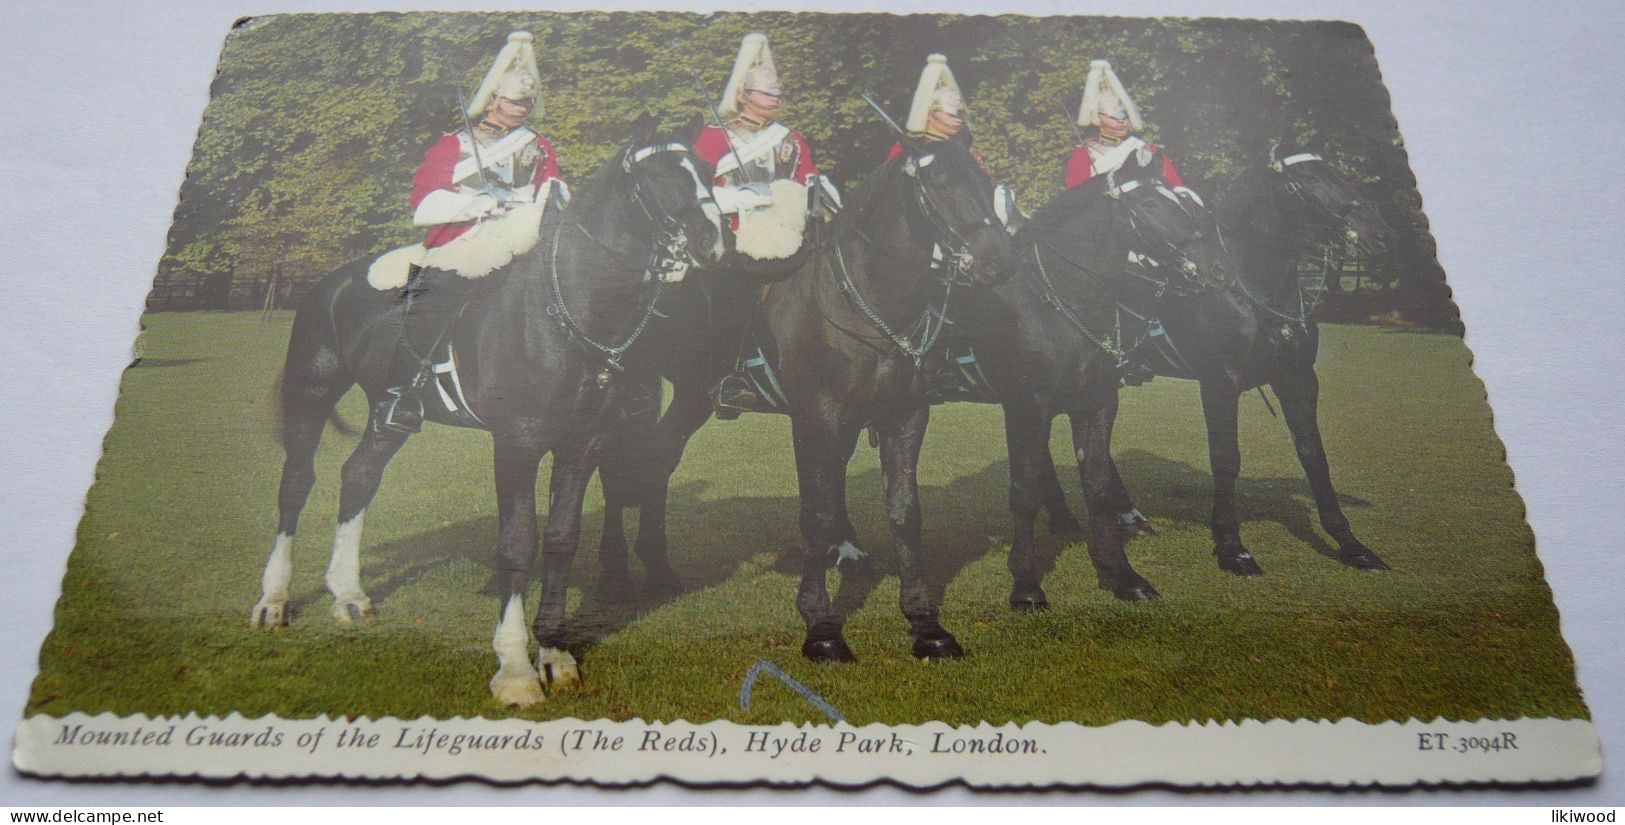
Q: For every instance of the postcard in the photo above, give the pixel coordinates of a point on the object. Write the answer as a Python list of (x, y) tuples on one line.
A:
[(803, 398)]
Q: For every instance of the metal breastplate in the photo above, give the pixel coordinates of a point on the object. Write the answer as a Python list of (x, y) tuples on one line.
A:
[(776, 165), (518, 169)]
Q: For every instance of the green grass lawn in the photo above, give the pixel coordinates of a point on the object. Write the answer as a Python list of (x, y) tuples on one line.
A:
[(154, 610)]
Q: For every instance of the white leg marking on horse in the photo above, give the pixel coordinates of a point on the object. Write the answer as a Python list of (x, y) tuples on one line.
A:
[(848, 552), (350, 604), (272, 610), (516, 682), (558, 669)]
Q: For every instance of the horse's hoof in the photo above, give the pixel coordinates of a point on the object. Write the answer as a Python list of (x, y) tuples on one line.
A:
[(828, 650), (557, 669), (1238, 562), (938, 647), (1029, 599), (354, 610), (517, 688), (1137, 592), (1133, 524), (1363, 559), (269, 614)]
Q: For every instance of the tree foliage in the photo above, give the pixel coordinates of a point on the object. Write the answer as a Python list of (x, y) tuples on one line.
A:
[(307, 148)]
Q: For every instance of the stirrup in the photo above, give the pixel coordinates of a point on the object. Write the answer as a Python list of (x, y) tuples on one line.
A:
[(1137, 374), (401, 414), (734, 397)]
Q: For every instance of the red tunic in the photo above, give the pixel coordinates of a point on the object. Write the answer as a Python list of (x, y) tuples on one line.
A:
[(1080, 167), (712, 146), (437, 169)]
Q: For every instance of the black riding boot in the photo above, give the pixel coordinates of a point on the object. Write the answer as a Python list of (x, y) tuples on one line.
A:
[(432, 301), (1136, 373), (736, 396)]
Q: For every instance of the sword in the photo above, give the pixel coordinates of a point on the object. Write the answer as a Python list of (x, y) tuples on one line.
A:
[(462, 109), (716, 114), (1070, 121), (869, 99)]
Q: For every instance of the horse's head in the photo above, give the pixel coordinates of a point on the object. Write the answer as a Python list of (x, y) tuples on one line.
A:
[(1331, 198), (1168, 228), (672, 186), (954, 199)]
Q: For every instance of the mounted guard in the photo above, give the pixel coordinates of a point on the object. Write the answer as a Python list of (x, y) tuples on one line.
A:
[(938, 113), (765, 171), (768, 184), (481, 191), (1110, 119)]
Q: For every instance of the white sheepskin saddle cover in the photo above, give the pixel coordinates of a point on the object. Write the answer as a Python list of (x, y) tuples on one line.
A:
[(489, 246), (775, 231)]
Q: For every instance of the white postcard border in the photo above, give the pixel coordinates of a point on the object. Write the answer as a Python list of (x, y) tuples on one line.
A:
[(1122, 754)]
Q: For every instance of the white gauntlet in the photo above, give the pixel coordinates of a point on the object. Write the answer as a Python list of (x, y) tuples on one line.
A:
[(444, 206), (1190, 193), (735, 199)]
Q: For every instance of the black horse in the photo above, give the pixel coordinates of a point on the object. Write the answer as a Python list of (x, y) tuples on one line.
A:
[(1049, 344), (537, 361), (847, 334), (1257, 331)]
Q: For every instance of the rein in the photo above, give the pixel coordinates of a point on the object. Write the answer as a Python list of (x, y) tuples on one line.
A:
[(955, 266), (668, 243), (1283, 167), (1052, 296), (1187, 267)]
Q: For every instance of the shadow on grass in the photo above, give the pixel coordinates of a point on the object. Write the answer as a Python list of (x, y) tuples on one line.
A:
[(390, 566), (711, 539), (1176, 491), (163, 362)]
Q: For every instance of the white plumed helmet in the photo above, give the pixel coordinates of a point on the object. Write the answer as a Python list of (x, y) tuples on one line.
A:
[(513, 73), (936, 90), (753, 69), (1102, 91)]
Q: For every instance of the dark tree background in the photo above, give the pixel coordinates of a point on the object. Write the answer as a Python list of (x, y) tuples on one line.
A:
[(306, 151)]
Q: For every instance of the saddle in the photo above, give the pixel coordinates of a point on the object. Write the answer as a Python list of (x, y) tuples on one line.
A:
[(489, 245), (952, 372), (778, 230)]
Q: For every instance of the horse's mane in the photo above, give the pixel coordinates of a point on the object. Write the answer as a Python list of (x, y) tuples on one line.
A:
[(611, 165), (1238, 207), (869, 187), (1080, 210)]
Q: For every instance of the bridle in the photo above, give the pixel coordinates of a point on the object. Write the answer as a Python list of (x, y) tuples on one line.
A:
[(954, 263), (668, 260), (957, 258), (1341, 217), (1175, 247)]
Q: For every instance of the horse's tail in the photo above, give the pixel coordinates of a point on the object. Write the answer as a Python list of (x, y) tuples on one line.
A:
[(340, 424), (313, 377), (280, 411)]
